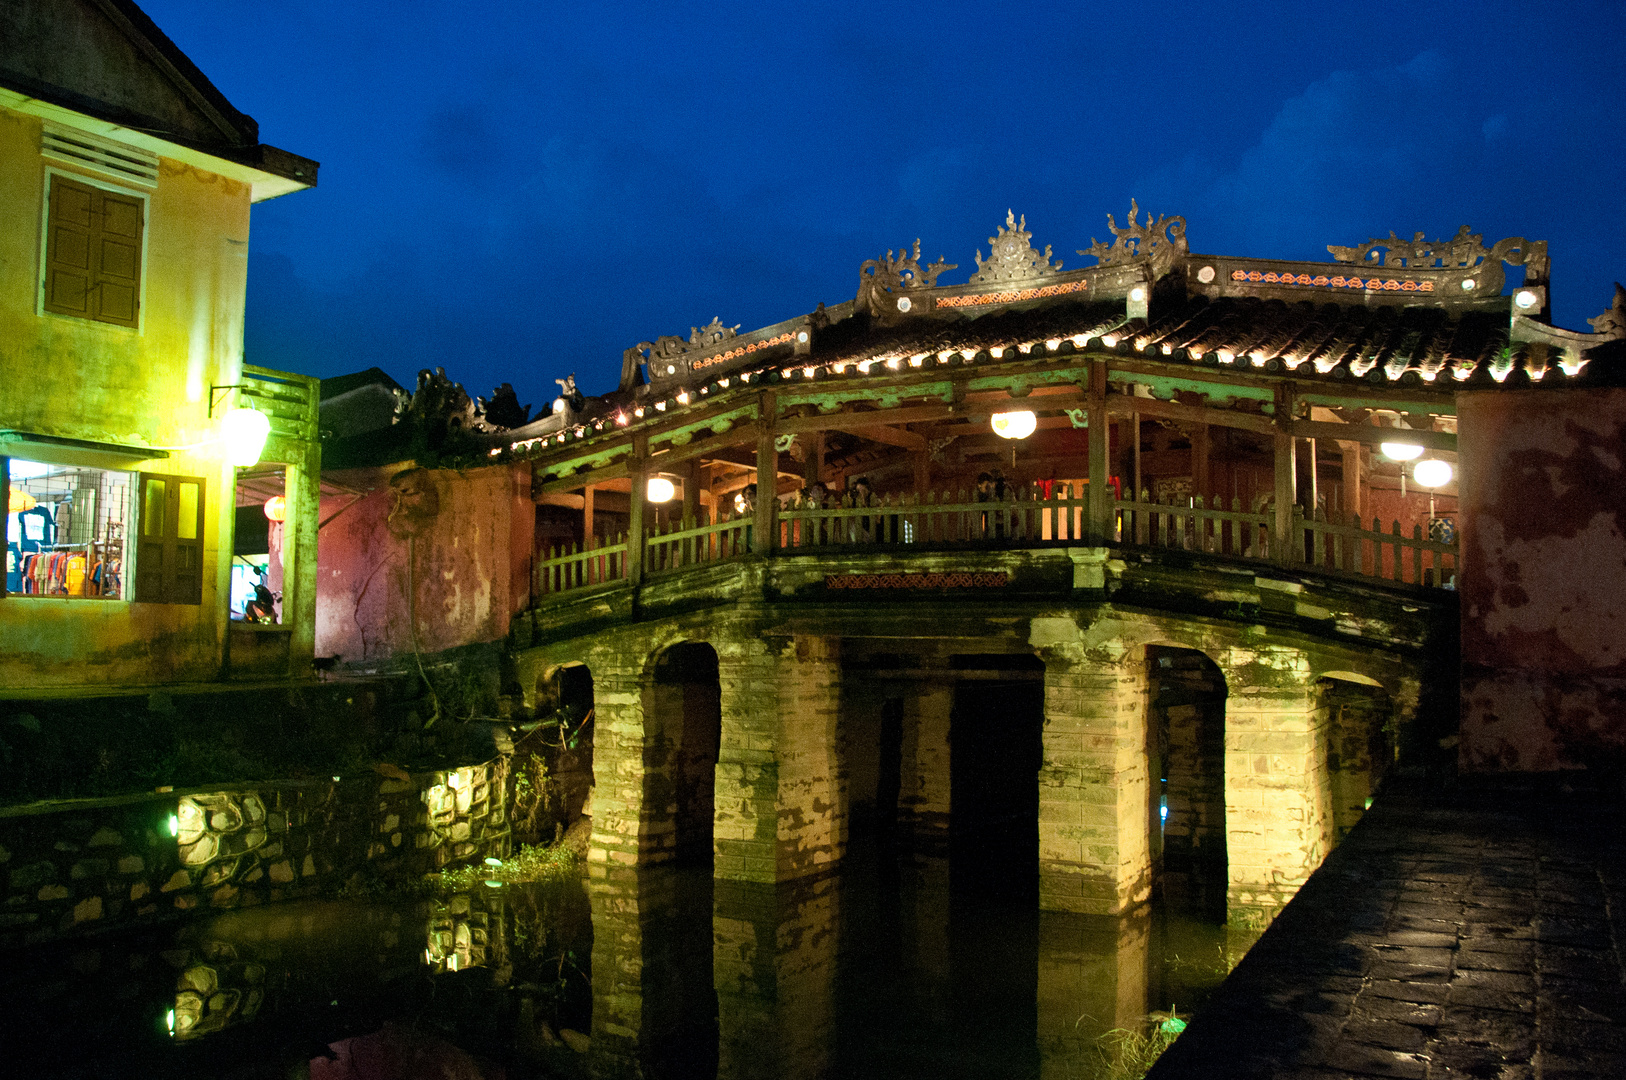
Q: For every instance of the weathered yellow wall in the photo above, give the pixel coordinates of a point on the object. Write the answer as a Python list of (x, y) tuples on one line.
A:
[(79, 379)]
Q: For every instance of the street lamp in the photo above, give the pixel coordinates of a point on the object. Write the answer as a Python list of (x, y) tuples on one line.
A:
[(244, 432)]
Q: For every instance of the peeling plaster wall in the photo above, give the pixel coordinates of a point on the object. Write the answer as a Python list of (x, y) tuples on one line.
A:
[(460, 540), (1544, 580)]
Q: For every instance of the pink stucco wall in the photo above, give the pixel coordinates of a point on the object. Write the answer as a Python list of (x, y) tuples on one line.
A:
[(1543, 586), (461, 540)]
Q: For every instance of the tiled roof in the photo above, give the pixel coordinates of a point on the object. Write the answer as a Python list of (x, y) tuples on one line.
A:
[(1417, 346)]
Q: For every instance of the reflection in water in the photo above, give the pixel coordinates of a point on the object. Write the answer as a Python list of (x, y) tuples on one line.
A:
[(658, 974)]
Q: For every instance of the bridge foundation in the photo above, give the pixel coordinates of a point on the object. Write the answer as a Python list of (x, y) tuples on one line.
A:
[(1278, 793), (779, 808), (1094, 795)]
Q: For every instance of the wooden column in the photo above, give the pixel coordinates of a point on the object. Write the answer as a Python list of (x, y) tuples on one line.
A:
[(636, 470), (813, 463), (587, 517), (1135, 478), (1315, 481), (691, 491), (762, 539), (1286, 478), (1352, 477), (1099, 502), (922, 460), (1201, 480)]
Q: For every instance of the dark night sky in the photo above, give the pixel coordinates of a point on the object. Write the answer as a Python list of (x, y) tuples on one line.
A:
[(517, 190)]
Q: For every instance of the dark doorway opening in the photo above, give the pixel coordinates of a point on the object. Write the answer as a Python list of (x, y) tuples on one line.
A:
[(688, 730), (996, 746), (1186, 754)]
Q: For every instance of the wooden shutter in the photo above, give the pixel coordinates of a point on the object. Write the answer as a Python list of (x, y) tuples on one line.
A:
[(169, 539), (93, 253)]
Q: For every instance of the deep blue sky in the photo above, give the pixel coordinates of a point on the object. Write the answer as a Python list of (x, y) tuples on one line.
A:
[(518, 190)]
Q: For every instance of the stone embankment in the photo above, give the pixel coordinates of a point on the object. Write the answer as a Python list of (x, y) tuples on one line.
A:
[(1471, 935), (89, 864)]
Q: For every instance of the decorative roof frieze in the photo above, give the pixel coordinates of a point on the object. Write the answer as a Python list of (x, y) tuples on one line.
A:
[(1012, 256), (1157, 243), (1611, 325), (883, 283), (1464, 251)]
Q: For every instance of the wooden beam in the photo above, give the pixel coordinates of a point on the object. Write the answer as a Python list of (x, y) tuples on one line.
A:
[(1125, 405), (571, 483), (892, 436), (1366, 433)]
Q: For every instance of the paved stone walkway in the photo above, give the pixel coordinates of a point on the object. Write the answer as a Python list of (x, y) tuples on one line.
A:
[(1468, 936)]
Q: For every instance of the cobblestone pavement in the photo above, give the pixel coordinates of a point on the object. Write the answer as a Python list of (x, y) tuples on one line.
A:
[(1477, 935)]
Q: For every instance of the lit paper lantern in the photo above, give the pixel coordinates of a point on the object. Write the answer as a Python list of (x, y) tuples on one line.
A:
[(1432, 473), (276, 508), (1015, 425), (660, 490), (244, 432), (1398, 451)]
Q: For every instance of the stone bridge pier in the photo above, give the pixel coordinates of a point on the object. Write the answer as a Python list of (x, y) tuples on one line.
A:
[(723, 737), (776, 807), (1098, 807)]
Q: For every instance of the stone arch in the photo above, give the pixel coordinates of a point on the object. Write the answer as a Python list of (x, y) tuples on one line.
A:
[(551, 781), (1362, 744), (1186, 757), (682, 735)]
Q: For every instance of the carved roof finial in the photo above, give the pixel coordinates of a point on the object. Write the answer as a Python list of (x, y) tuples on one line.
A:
[(1612, 323), (1012, 257), (1463, 251), (1158, 241), (878, 278)]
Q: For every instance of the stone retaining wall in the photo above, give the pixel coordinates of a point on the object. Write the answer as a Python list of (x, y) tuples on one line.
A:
[(87, 865)]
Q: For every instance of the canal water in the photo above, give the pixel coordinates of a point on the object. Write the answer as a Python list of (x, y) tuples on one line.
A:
[(891, 969)]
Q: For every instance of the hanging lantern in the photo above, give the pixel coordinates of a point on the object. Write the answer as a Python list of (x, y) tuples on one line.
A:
[(276, 508), (1015, 425), (244, 432), (660, 490), (20, 500), (1398, 451), (1432, 473)]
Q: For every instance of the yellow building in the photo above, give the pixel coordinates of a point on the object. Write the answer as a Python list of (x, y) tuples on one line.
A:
[(126, 181)]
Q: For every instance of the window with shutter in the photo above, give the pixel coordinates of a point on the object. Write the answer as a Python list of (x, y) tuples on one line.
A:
[(169, 539), (93, 253)]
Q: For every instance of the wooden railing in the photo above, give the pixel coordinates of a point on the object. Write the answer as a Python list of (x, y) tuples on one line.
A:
[(1350, 548), (1189, 525), (937, 519), (570, 566), (680, 544), (1024, 518)]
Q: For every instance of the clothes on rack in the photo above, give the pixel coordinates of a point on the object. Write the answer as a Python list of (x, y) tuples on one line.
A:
[(65, 573)]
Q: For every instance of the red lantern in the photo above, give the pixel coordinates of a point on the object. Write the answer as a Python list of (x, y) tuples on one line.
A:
[(276, 508)]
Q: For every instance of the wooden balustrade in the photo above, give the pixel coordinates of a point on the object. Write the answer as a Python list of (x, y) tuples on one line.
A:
[(949, 517), (1350, 548), (1188, 524), (680, 544), (1024, 518), (571, 566)]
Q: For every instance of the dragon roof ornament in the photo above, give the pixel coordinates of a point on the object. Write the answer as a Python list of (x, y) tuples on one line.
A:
[(1159, 242), (1011, 256), (672, 347), (882, 281), (1463, 251), (1612, 323)]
